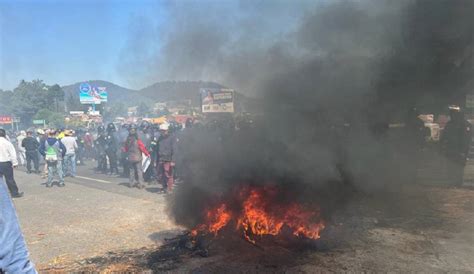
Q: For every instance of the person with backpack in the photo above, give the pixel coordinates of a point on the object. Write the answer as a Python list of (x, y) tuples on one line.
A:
[(134, 148), (53, 151)]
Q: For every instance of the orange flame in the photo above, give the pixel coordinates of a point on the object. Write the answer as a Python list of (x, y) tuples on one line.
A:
[(262, 214)]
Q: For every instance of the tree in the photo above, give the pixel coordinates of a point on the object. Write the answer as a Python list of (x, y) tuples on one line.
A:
[(73, 103), (56, 94), (6, 102), (52, 118), (30, 97)]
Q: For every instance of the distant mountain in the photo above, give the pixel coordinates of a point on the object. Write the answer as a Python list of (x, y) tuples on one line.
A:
[(177, 90), (116, 93), (158, 92)]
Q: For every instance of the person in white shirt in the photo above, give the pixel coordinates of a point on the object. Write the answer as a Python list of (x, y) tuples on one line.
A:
[(70, 158), (21, 150), (8, 161)]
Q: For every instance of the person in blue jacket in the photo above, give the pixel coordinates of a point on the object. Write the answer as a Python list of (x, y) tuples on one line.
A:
[(14, 257)]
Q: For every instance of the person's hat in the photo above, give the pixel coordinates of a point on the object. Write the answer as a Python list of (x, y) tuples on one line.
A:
[(164, 126), (40, 131), (68, 132)]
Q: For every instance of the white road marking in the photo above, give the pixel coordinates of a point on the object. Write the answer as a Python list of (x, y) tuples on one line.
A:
[(92, 179)]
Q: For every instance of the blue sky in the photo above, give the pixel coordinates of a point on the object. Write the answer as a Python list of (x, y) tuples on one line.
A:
[(125, 41), (65, 41)]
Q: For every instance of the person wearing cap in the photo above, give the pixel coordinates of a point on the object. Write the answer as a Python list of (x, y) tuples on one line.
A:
[(31, 146), (8, 161), (166, 157), (53, 151), (70, 158), (455, 141), (134, 148)]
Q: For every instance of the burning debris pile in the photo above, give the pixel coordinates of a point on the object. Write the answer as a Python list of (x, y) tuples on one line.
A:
[(260, 211)]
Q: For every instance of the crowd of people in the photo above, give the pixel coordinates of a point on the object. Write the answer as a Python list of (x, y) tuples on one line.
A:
[(144, 153)]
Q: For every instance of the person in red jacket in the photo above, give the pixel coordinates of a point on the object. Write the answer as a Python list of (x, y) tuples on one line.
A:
[(134, 148)]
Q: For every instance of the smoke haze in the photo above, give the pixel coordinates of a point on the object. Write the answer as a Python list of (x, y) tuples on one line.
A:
[(329, 73)]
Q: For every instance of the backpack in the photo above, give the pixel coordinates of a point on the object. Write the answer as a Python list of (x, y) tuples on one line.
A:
[(51, 152)]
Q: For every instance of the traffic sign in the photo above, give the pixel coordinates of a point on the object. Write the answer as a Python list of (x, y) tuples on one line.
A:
[(39, 122)]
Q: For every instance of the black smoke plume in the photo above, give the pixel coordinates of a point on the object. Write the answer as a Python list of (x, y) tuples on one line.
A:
[(331, 76)]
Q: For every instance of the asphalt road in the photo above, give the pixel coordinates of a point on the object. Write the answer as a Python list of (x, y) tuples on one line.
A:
[(92, 215), (95, 214)]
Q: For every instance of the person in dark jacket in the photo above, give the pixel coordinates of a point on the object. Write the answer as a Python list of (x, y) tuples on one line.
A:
[(53, 151), (111, 148), (31, 146), (101, 144), (166, 157), (134, 148), (14, 257), (412, 141), (122, 139), (455, 141)]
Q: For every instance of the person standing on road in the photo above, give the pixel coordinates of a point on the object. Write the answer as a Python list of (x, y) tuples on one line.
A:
[(123, 135), (112, 148), (455, 141), (31, 146), (89, 146), (166, 154), (42, 137), (101, 145), (14, 257), (134, 148), (21, 150), (8, 161), (53, 152), (80, 147), (70, 158)]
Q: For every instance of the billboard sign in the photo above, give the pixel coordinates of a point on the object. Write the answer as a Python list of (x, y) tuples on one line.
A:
[(90, 94), (6, 120), (217, 100)]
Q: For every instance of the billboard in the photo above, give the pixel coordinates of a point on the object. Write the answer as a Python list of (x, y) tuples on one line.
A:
[(217, 100), (6, 120), (90, 94)]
